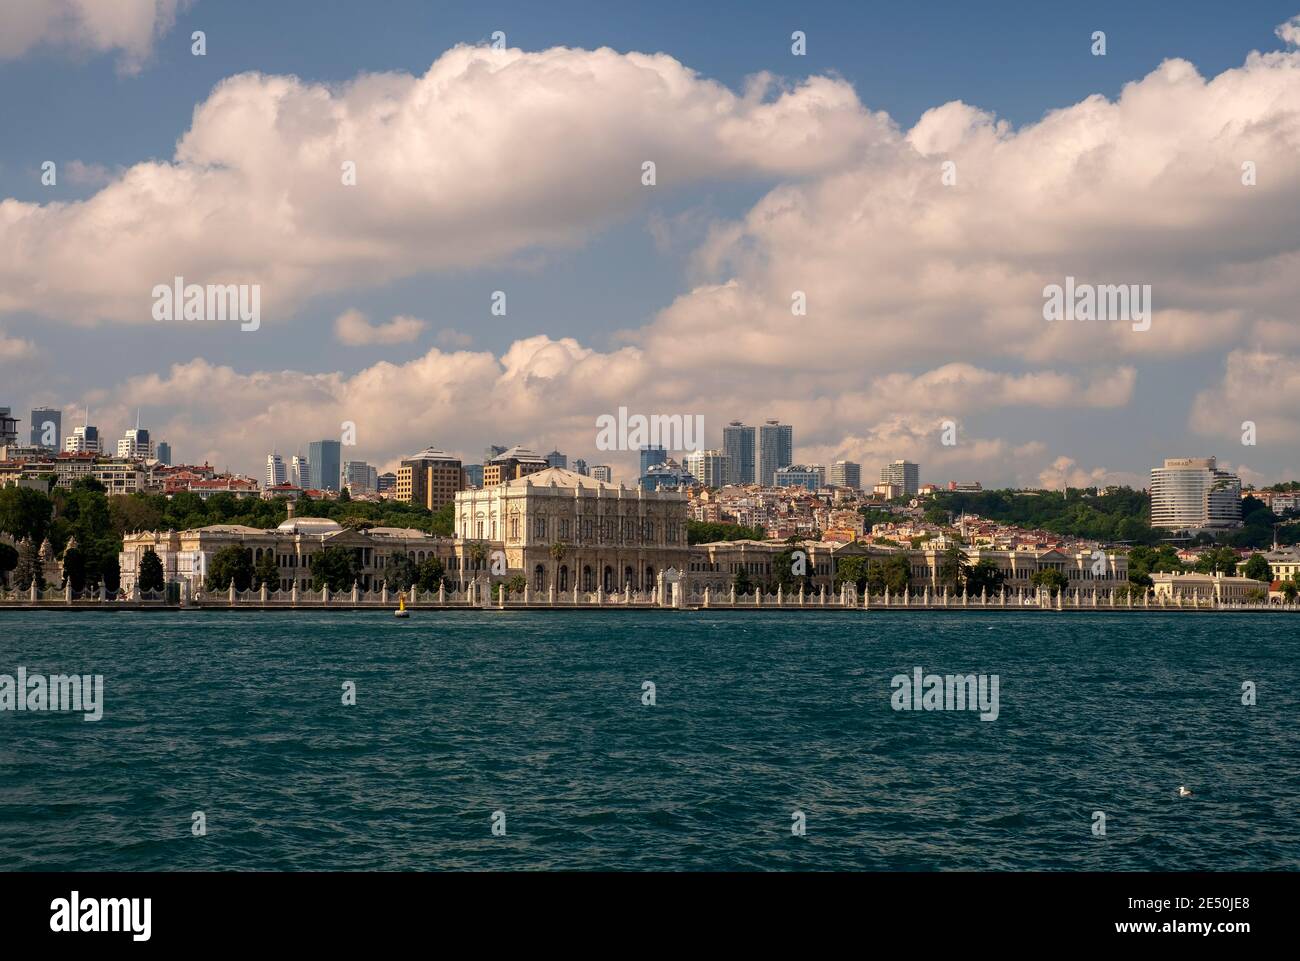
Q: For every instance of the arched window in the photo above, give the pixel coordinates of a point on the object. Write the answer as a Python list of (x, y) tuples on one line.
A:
[(608, 579), (588, 578), (539, 578), (629, 577), (564, 577), (649, 578)]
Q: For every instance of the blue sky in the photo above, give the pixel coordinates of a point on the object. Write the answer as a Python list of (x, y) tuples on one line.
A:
[(65, 102)]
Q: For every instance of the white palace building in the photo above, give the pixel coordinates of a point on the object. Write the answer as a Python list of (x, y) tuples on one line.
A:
[(567, 532), (557, 527)]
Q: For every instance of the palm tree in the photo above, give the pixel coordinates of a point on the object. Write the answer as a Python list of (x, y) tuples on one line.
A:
[(557, 551), (477, 552), (953, 569)]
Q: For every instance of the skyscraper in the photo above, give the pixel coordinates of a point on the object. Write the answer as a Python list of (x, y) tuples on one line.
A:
[(83, 440), (47, 428), (276, 472), (652, 454), (1191, 493), (709, 467), (904, 474), (738, 445), (135, 442), (360, 478), (162, 452), (300, 471), (326, 464), (429, 479), (845, 473), (775, 450), (556, 459), (8, 428)]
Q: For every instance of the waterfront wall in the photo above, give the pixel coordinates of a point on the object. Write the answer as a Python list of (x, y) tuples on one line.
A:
[(666, 596)]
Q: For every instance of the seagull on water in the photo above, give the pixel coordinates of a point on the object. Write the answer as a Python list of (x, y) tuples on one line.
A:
[(1183, 792)]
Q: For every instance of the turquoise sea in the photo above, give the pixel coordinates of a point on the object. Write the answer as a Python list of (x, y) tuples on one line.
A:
[(758, 714)]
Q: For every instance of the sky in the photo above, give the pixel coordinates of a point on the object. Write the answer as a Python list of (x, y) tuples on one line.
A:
[(918, 176)]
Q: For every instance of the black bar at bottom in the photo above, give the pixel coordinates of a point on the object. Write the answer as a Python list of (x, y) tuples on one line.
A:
[(333, 910)]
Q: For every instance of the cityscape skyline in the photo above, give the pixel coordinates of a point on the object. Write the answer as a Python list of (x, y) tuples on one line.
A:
[(698, 271)]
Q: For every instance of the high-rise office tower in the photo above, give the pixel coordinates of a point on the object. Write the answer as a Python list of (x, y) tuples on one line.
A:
[(326, 464), (429, 479), (47, 428), (556, 459), (8, 428), (135, 443), (904, 474), (845, 473), (738, 445), (1192, 493), (652, 454), (775, 450), (360, 478), (300, 471), (162, 452), (602, 472), (83, 439), (709, 467), (276, 472)]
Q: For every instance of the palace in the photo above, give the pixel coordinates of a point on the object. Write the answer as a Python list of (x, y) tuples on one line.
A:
[(559, 528), (565, 530)]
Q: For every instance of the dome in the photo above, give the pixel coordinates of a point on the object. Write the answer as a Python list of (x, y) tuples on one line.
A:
[(310, 525)]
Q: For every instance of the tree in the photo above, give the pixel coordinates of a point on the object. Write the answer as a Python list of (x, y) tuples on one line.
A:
[(851, 570), (985, 577), (783, 569), (8, 561), (430, 574), (1220, 560), (1055, 581), (894, 573), (707, 532), (400, 572), (334, 567), (741, 582), (953, 568), (477, 553), (150, 576), (1257, 567), (267, 571), (28, 567), (25, 513), (230, 564), (937, 516), (129, 513), (443, 522)]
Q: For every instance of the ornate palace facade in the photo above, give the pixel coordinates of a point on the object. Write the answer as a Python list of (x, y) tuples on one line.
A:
[(564, 530)]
